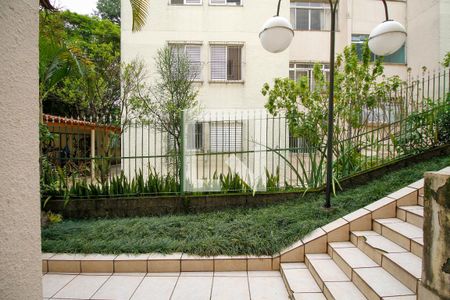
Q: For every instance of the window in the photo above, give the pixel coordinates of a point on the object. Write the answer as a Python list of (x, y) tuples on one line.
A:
[(225, 2), (297, 70), (193, 53), (389, 113), (398, 57), (311, 16), (186, 2), (226, 63), (297, 144), (226, 137), (195, 136)]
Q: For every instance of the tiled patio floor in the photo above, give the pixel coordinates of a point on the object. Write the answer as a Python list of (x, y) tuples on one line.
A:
[(154, 286)]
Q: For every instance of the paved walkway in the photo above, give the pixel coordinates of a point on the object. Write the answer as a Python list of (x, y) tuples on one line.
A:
[(184, 286)]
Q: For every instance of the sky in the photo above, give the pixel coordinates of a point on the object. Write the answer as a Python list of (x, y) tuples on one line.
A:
[(85, 7)]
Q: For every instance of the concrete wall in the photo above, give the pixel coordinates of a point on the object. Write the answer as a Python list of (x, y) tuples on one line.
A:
[(435, 280), (423, 34), (209, 23), (314, 46), (428, 33), (20, 252)]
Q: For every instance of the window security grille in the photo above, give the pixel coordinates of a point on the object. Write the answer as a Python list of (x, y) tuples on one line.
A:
[(381, 115), (195, 136), (311, 16), (297, 70), (297, 144), (226, 63), (225, 137)]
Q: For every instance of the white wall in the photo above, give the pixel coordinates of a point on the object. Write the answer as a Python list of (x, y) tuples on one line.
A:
[(20, 249), (207, 23), (423, 34)]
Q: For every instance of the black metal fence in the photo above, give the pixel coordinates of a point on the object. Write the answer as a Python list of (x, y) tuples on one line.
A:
[(237, 151)]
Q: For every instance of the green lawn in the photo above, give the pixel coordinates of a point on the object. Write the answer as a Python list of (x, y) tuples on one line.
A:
[(260, 231)]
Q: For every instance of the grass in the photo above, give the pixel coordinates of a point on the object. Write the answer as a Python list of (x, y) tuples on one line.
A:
[(259, 231)]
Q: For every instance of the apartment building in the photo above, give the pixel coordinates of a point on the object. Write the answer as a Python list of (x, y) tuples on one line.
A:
[(221, 39)]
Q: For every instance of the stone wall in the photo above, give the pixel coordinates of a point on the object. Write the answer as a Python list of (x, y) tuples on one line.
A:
[(436, 259)]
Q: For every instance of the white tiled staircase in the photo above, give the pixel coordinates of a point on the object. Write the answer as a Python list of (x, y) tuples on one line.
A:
[(379, 260)]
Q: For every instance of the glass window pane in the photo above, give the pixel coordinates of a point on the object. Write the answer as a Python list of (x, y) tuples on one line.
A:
[(234, 63), (292, 75), (293, 18), (316, 19), (302, 20), (396, 58)]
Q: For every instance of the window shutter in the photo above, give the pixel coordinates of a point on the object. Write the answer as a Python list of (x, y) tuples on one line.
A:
[(226, 137), (193, 52), (218, 63)]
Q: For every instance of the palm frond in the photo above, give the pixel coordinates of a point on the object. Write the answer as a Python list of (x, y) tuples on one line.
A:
[(45, 4), (140, 12)]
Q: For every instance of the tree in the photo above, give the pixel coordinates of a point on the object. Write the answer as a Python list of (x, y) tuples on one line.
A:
[(359, 86), (109, 9), (161, 104), (94, 46)]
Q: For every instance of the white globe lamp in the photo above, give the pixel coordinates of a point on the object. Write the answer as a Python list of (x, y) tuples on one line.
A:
[(276, 34), (387, 38)]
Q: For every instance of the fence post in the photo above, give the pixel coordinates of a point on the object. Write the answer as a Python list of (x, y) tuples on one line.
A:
[(93, 154), (182, 154)]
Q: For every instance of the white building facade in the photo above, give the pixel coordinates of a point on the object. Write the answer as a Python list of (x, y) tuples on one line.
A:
[(221, 38)]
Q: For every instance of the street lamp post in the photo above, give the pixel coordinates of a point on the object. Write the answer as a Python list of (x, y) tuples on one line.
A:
[(385, 39)]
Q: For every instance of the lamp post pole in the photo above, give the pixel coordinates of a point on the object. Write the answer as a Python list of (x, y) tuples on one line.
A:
[(385, 39), (331, 106)]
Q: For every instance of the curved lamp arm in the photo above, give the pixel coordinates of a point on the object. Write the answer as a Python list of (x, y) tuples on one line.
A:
[(278, 9), (386, 10)]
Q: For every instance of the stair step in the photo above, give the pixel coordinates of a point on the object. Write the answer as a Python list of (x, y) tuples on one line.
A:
[(299, 282), (342, 290), (351, 258), (406, 267), (412, 214), (375, 245), (377, 283), (309, 296), (420, 199), (402, 233), (324, 269)]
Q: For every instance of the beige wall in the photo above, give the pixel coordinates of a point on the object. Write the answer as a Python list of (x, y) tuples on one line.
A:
[(207, 23), (20, 253), (423, 34), (428, 33), (314, 46)]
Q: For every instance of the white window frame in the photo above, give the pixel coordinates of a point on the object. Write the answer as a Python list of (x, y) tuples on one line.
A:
[(324, 7), (186, 2), (307, 67), (225, 3), (185, 45), (226, 45)]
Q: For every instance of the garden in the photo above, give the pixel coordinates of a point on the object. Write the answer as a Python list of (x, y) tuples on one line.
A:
[(109, 136)]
